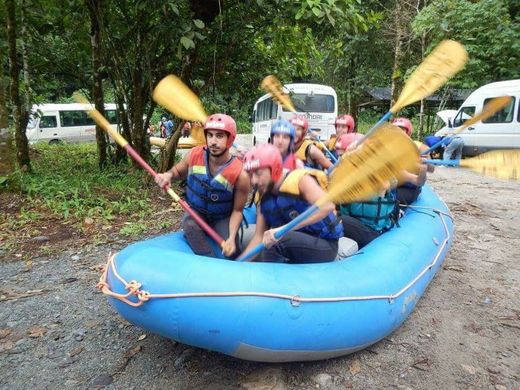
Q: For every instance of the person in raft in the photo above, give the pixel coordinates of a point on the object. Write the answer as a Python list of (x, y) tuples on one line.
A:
[(217, 186), (408, 192), (281, 198), (282, 136), (367, 220), (306, 149), (343, 124)]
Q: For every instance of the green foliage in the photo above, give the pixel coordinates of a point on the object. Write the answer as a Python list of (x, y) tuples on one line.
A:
[(67, 181), (485, 28)]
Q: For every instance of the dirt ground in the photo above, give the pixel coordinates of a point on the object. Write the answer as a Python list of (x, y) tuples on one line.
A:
[(58, 332)]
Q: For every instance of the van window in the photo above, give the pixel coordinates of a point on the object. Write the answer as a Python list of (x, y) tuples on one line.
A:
[(312, 103), (47, 121), (463, 115), (75, 118), (111, 116), (505, 115)]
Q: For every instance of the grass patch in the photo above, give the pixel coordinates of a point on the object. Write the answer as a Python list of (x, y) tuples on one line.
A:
[(68, 197)]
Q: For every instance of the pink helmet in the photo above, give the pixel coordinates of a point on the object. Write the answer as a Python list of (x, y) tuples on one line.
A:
[(347, 139), (346, 120), (300, 120), (405, 124), (264, 156), (222, 122)]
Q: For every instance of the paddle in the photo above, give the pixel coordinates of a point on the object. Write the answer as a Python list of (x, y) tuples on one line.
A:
[(103, 123), (489, 109), (360, 175), (172, 93), (176, 97), (446, 60), (272, 85), (502, 164)]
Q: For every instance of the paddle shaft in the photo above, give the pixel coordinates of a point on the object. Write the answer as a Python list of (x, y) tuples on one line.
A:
[(103, 123), (450, 163), (280, 233)]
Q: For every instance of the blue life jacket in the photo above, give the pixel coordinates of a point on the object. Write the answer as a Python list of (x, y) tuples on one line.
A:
[(379, 213), (211, 196), (283, 207)]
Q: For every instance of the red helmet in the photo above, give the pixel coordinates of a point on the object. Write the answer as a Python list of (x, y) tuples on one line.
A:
[(405, 124), (264, 156), (347, 139), (300, 120), (346, 120), (222, 122)]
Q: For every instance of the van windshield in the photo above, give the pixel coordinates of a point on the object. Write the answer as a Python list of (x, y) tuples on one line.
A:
[(33, 121), (312, 103)]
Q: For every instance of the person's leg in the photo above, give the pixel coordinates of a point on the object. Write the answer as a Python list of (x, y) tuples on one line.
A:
[(407, 195), (198, 240), (448, 152), (358, 231), (298, 247), (459, 145)]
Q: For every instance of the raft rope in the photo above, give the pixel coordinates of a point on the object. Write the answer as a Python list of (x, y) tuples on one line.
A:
[(142, 296)]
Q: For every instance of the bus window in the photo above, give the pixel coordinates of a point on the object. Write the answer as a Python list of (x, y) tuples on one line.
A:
[(312, 103)]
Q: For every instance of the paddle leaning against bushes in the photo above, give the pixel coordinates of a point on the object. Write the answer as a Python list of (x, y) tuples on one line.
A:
[(362, 173)]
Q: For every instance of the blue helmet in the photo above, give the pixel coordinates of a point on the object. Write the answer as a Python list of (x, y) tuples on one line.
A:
[(282, 126)]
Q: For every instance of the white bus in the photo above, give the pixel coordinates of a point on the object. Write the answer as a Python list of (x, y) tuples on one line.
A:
[(319, 103), (55, 123)]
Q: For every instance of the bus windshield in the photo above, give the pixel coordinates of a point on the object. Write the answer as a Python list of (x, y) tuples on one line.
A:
[(312, 103)]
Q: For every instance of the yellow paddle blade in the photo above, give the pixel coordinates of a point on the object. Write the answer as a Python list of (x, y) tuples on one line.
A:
[(502, 164), (446, 60), (197, 133), (177, 98), (370, 168), (489, 109), (270, 84)]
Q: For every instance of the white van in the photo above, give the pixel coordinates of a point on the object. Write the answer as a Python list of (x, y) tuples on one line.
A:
[(55, 123), (319, 103), (500, 131)]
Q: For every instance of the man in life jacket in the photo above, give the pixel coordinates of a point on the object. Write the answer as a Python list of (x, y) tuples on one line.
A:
[(305, 149), (217, 187), (408, 192), (367, 220), (281, 198), (282, 136)]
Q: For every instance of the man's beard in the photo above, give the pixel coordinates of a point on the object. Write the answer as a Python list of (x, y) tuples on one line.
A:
[(217, 154)]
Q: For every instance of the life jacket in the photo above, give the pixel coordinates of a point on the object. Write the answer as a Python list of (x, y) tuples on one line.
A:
[(379, 213), (211, 196), (303, 154), (283, 207), (289, 163)]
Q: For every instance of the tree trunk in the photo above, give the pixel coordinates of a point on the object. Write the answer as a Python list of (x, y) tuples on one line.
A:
[(4, 114), (97, 85), (396, 73), (20, 115), (25, 58)]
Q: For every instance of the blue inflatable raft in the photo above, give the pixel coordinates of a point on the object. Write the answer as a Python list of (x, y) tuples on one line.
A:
[(274, 312)]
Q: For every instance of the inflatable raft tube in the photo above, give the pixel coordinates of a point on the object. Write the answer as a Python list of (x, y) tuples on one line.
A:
[(273, 312)]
